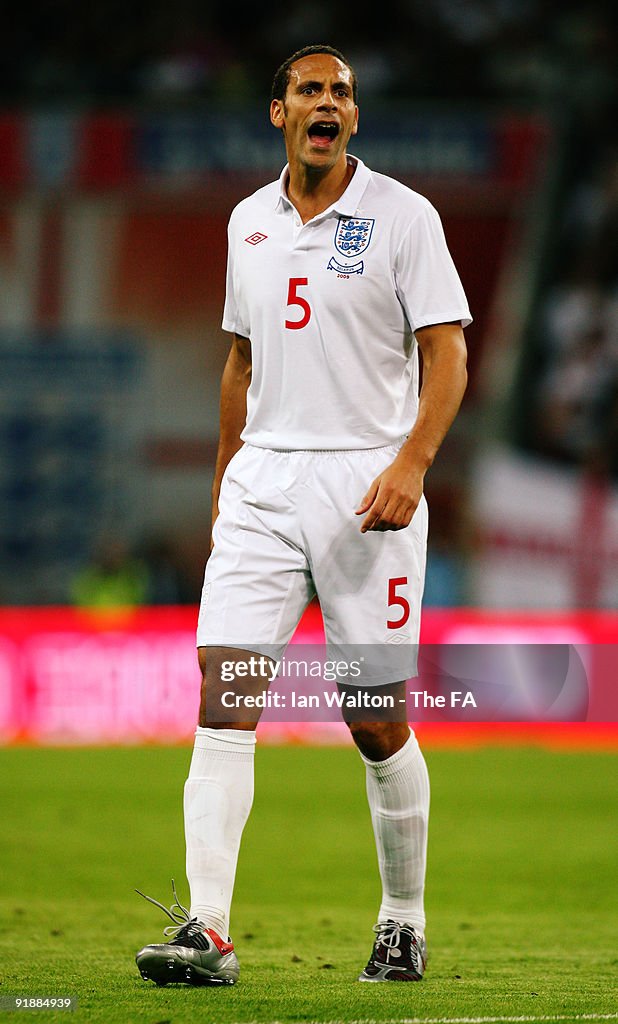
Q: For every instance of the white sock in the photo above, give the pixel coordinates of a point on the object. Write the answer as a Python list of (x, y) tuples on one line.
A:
[(217, 799), (398, 794)]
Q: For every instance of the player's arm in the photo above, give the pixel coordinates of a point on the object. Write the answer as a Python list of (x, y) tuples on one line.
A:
[(232, 411), (393, 496)]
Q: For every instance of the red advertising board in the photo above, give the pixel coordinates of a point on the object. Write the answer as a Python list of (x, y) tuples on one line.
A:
[(69, 677)]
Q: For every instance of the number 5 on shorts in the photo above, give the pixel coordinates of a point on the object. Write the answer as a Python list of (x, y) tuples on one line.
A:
[(395, 599)]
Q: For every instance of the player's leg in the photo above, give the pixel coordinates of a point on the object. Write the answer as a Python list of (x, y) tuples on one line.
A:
[(218, 793), (256, 587), (398, 797), (385, 731), (397, 784), (370, 588)]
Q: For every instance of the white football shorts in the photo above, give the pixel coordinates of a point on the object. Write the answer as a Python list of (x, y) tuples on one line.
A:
[(286, 532)]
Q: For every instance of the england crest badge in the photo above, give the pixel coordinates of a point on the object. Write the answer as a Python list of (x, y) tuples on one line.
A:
[(353, 235)]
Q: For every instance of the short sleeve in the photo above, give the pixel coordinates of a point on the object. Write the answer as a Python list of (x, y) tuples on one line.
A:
[(232, 320), (426, 279)]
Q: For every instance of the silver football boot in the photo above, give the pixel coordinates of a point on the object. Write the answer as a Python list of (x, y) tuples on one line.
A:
[(196, 955)]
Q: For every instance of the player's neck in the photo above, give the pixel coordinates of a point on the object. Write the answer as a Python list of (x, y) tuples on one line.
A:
[(312, 190)]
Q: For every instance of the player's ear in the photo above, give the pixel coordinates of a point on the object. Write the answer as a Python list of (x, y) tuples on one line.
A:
[(276, 113), (355, 125)]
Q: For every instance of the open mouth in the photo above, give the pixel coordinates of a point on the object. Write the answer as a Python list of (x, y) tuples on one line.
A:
[(323, 133)]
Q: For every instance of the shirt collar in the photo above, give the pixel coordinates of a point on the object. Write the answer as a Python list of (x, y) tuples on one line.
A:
[(348, 202)]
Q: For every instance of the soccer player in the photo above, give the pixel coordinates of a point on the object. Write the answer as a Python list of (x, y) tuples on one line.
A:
[(335, 275)]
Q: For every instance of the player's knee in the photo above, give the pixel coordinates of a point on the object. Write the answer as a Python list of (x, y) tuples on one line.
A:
[(366, 734), (208, 716), (201, 660), (379, 740), (210, 660), (223, 703)]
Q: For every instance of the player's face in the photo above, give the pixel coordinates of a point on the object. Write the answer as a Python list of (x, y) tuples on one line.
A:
[(318, 114)]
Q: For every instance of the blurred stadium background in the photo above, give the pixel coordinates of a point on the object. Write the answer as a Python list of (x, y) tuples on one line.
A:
[(127, 134)]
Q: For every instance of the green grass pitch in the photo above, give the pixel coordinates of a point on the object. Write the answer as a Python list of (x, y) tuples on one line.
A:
[(522, 889)]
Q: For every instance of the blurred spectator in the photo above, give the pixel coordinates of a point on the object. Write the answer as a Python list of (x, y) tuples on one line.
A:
[(114, 579), (117, 578), (576, 413), (482, 49), (167, 580)]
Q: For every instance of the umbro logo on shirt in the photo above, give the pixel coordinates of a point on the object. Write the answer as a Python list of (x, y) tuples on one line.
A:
[(255, 238)]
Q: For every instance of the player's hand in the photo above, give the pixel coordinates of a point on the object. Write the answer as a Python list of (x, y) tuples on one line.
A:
[(392, 498)]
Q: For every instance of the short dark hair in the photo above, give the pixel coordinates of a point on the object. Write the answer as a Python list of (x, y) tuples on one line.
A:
[(282, 75)]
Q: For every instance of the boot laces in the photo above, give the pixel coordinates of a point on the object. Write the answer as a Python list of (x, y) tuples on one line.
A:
[(388, 933), (389, 936), (184, 924)]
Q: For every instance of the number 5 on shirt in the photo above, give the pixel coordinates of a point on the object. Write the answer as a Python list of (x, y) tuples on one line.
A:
[(294, 299)]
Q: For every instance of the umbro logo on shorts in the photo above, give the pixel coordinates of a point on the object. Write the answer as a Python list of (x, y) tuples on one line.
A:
[(398, 638), (255, 238)]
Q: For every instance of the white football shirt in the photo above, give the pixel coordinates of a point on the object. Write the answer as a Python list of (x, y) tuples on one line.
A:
[(330, 308)]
